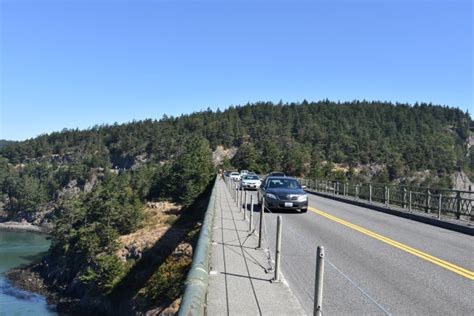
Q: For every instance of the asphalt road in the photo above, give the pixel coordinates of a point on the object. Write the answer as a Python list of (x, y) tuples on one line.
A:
[(376, 263)]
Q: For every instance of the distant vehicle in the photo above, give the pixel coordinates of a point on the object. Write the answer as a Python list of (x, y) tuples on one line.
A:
[(226, 173), (243, 173), (235, 176), (283, 193), (250, 181), (277, 174)]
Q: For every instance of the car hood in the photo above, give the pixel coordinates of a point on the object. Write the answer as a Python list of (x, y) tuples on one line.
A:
[(281, 191)]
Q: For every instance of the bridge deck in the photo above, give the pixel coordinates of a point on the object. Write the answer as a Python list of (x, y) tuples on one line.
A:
[(239, 282)]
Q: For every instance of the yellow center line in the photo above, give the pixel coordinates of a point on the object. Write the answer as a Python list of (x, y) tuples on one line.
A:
[(447, 265)]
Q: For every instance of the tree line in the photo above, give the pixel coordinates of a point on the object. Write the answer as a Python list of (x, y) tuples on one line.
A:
[(296, 138)]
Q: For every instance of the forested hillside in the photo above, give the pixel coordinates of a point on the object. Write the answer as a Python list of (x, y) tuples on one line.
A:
[(295, 138), (4, 142), (91, 186)]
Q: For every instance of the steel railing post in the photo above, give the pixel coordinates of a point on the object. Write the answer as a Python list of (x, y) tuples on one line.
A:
[(410, 201), (388, 196), (278, 249), (370, 193), (385, 195), (458, 205), (251, 214), (245, 205), (428, 202), (233, 190), (260, 227), (239, 196), (404, 203), (357, 191), (241, 202), (440, 201), (319, 280), (236, 195)]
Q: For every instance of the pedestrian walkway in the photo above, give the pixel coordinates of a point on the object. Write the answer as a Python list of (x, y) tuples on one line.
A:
[(240, 281)]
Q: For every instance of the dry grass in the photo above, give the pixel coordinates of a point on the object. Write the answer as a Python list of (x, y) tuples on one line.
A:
[(158, 218)]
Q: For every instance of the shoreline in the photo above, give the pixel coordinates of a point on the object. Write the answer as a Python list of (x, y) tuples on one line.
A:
[(24, 226)]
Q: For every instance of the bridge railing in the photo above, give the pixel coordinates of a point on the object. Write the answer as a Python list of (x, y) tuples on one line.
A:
[(445, 203), (197, 280)]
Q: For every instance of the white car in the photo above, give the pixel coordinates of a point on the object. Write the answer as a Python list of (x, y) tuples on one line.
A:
[(250, 182), (243, 173), (234, 176)]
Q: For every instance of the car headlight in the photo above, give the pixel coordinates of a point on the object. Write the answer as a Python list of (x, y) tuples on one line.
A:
[(271, 196), (303, 198)]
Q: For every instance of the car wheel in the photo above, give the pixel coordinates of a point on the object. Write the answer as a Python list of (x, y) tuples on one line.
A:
[(304, 210)]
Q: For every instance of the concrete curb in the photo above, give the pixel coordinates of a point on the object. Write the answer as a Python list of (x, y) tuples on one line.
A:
[(467, 229)]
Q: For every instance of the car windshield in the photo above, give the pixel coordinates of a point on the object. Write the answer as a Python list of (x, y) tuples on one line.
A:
[(284, 183), (251, 178)]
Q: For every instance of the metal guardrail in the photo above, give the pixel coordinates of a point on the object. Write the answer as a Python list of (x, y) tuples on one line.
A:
[(197, 280), (447, 203)]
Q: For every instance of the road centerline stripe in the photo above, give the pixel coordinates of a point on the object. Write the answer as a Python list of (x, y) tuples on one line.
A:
[(425, 256)]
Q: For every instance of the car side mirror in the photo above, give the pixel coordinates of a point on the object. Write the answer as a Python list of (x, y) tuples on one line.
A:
[(303, 187)]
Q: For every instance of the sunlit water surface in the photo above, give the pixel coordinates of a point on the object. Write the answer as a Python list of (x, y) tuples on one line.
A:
[(17, 248)]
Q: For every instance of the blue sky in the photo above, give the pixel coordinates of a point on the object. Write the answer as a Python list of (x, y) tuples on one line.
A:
[(73, 63)]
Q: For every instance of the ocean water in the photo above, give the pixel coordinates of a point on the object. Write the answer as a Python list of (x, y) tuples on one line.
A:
[(17, 248)]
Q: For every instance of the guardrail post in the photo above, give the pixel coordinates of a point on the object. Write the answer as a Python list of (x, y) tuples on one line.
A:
[(318, 291), (232, 191), (337, 187), (241, 201), (278, 250), (245, 205), (345, 188), (458, 205), (404, 203), (440, 201), (428, 202), (357, 191), (251, 214), (260, 227), (410, 201), (237, 193), (385, 195), (388, 196), (370, 193)]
